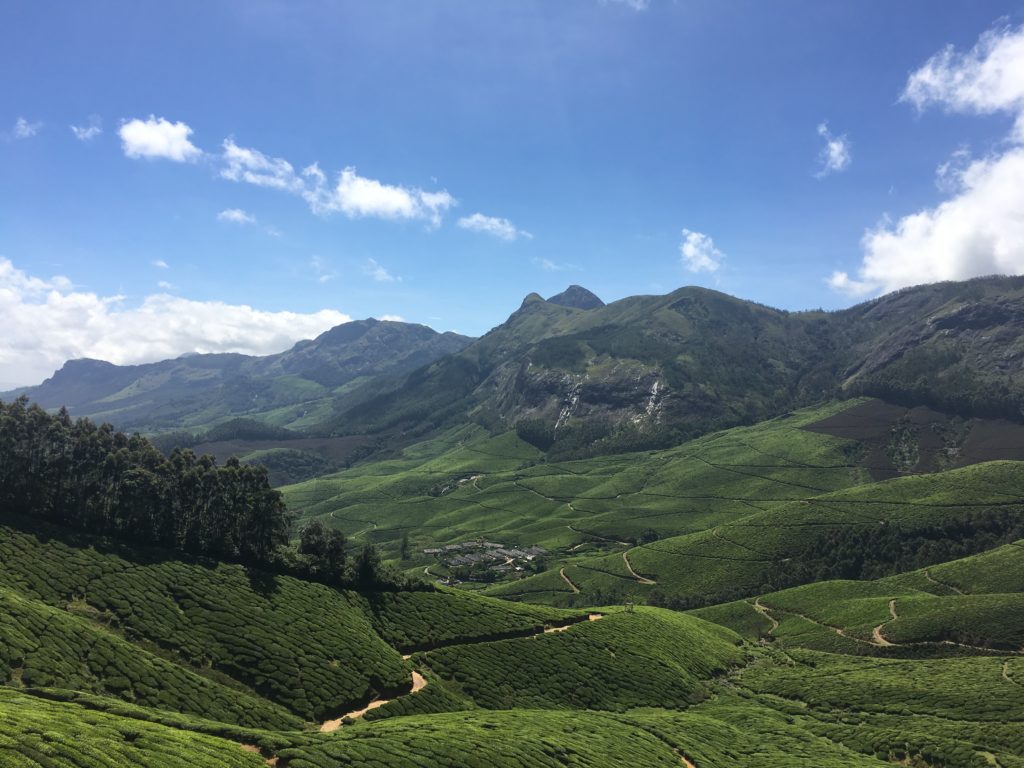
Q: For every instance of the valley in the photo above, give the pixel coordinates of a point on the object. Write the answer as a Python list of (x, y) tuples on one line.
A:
[(830, 583)]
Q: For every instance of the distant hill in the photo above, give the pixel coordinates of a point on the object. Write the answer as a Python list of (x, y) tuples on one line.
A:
[(647, 371), (294, 388)]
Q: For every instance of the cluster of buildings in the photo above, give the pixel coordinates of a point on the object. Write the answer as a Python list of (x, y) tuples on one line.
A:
[(491, 555)]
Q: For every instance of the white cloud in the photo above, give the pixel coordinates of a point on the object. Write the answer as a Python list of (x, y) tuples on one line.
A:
[(253, 167), (89, 131), (979, 229), (23, 129), (553, 266), (492, 225), (359, 197), (163, 285), (236, 216), (987, 79), (161, 264), (636, 5), (393, 318), (699, 252), (323, 271), (949, 175), (835, 156), (353, 195), (379, 273), (157, 138), (47, 322)]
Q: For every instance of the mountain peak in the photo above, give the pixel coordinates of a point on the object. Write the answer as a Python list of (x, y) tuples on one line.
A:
[(531, 298), (577, 297)]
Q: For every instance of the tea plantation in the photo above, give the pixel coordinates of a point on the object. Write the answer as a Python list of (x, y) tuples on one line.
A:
[(832, 622), (649, 657)]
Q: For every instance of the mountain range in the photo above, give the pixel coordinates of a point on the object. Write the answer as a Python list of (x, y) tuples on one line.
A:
[(577, 376)]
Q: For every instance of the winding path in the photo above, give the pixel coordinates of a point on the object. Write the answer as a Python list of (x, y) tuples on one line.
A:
[(418, 684), (942, 583), (637, 576), (756, 605), (876, 633), (567, 580)]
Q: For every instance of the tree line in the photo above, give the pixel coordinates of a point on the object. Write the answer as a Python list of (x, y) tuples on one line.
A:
[(93, 478)]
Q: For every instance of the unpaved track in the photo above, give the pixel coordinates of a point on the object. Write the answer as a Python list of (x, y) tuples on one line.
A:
[(1006, 674), (418, 684), (567, 580), (942, 583), (876, 633), (764, 612), (552, 630), (637, 576)]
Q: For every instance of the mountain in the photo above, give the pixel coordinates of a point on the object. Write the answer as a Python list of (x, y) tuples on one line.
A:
[(292, 388), (649, 370), (577, 297)]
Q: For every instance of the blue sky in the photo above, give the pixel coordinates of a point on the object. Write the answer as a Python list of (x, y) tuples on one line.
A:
[(627, 146)]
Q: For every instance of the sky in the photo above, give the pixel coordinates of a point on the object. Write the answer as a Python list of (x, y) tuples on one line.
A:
[(234, 176)]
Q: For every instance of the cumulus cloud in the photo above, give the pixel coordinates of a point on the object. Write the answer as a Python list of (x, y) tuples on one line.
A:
[(699, 252), (48, 321), (161, 264), (23, 129), (359, 197), (157, 138), (92, 128), (836, 155), (985, 80), (393, 318), (353, 195), (236, 216), (379, 273), (979, 229), (503, 229)]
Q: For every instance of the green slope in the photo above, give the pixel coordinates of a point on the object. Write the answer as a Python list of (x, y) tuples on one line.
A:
[(646, 658), (861, 532)]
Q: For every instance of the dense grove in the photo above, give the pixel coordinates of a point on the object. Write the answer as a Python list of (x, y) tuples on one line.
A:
[(91, 477)]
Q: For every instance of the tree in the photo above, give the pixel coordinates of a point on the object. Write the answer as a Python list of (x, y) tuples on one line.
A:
[(367, 565), (403, 547)]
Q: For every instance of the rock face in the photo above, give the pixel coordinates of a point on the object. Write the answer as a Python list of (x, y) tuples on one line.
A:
[(696, 360), (577, 297)]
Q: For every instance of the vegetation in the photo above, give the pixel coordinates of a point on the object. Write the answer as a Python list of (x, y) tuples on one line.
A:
[(92, 478), (644, 658), (854, 570), (304, 646)]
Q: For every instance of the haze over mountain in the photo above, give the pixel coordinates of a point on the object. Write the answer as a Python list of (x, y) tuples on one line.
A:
[(197, 390), (579, 375)]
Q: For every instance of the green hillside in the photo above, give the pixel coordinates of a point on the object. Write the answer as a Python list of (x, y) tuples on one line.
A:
[(866, 531)]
